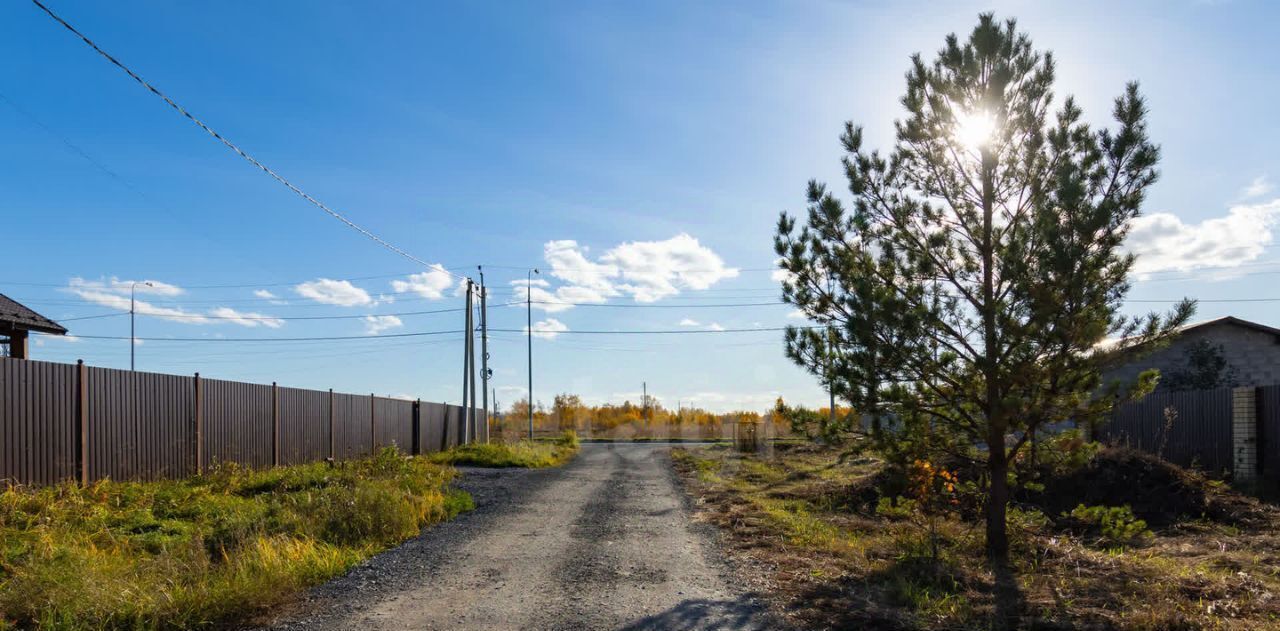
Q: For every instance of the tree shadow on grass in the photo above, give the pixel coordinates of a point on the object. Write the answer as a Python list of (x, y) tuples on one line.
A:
[(910, 592), (744, 612)]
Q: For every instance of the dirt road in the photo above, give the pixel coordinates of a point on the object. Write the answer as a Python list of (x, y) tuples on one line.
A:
[(603, 543)]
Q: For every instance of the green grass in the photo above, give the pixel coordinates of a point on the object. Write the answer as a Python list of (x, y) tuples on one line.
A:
[(524, 454), (206, 550)]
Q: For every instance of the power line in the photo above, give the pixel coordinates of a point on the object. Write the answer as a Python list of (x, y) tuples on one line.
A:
[(272, 339), (430, 333), (230, 145), (91, 317)]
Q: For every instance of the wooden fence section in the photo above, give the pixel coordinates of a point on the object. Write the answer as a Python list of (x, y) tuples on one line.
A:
[(71, 421), (1199, 434)]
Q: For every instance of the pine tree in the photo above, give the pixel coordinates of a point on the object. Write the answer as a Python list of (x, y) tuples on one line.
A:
[(968, 289)]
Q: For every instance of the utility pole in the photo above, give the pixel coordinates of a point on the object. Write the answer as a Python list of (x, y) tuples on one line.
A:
[(484, 352), (133, 340), (644, 401), (528, 303), (474, 428), (466, 367)]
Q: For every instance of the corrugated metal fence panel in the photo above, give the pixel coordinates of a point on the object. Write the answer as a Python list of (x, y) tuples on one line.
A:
[(433, 421), (393, 423), (1200, 433), (141, 425), (304, 425), (1269, 428), (236, 422), (455, 426), (353, 416), (39, 427)]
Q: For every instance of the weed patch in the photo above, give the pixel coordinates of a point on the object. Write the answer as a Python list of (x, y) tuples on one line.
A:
[(526, 454), (837, 546), (207, 550)]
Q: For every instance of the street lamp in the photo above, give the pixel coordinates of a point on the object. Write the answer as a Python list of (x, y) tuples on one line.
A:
[(528, 302), (133, 341)]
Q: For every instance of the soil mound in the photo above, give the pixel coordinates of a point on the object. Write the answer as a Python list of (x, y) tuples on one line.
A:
[(1159, 492)]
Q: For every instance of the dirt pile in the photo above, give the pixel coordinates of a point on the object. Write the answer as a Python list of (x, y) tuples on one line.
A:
[(1159, 492)]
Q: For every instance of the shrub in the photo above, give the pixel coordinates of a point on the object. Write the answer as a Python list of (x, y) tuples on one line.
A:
[(1116, 524)]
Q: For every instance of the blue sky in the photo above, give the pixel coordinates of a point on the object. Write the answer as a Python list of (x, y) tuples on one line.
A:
[(661, 139)]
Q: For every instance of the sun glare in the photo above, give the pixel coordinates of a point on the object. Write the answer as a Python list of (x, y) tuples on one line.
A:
[(974, 129)]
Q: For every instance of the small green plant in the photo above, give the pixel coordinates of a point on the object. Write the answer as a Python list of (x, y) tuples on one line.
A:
[(1116, 524)]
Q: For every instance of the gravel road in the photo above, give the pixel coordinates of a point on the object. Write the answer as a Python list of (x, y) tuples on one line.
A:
[(603, 543)]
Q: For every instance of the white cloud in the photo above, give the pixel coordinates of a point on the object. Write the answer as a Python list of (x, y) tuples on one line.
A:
[(115, 294), (796, 314), (1164, 243), (715, 326), (569, 263), (334, 292), (430, 284), (645, 270), (117, 301), (690, 322), (548, 329), (263, 293), (376, 324), (249, 319), (115, 285), (652, 270), (1257, 188), (581, 294)]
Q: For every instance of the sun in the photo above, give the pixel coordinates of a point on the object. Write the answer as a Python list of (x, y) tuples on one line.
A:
[(974, 129)]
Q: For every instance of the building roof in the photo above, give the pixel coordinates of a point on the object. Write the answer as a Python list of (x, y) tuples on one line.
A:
[(1233, 321), (13, 315)]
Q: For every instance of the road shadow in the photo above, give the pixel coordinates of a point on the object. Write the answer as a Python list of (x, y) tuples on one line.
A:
[(703, 614)]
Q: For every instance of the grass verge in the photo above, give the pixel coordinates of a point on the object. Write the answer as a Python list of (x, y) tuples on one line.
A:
[(814, 533), (526, 454), (208, 550)]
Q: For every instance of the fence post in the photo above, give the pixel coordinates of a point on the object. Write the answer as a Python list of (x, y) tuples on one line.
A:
[(373, 425), (82, 411), (416, 449), (332, 454), (199, 437), (275, 424), (1244, 434)]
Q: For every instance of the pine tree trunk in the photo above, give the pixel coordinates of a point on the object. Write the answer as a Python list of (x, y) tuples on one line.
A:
[(997, 498), (997, 458)]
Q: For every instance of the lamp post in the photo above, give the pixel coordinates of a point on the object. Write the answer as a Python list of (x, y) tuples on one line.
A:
[(133, 341), (528, 302)]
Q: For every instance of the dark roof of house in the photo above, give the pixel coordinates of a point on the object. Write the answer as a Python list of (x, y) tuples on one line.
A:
[(13, 315), (1230, 320)]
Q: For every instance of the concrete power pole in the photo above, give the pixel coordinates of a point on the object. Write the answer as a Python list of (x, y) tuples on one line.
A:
[(466, 369), (471, 406), (528, 303), (484, 354)]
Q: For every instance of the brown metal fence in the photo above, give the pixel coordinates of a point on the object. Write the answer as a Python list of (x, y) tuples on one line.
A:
[(1268, 400), (1198, 432), (72, 421)]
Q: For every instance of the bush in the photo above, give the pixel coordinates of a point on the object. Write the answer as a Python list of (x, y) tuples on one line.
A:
[(209, 549), (1116, 524)]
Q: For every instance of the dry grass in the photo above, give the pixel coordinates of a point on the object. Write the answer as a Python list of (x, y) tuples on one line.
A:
[(524, 453), (805, 524), (208, 550)]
